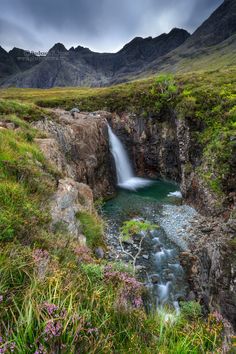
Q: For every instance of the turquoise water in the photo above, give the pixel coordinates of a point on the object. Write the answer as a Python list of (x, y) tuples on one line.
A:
[(136, 201), (159, 259)]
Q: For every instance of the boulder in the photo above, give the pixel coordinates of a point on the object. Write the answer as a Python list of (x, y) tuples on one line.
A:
[(70, 198)]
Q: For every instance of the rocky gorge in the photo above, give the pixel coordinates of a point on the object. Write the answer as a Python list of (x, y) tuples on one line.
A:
[(160, 147)]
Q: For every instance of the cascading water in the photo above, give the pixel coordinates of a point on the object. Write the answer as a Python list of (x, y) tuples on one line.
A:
[(125, 176)]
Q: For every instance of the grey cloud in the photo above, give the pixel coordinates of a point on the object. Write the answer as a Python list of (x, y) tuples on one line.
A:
[(99, 24)]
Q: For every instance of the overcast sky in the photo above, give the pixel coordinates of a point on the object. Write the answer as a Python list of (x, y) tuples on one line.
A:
[(101, 25)]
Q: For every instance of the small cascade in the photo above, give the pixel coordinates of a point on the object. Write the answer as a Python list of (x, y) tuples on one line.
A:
[(124, 172)]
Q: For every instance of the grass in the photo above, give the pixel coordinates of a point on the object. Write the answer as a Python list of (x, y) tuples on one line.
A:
[(54, 296), (92, 228), (76, 307), (25, 180)]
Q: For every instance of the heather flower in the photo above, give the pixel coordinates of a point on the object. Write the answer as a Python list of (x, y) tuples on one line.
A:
[(131, 290), (92, 331), (84, 254), (40, 350), (53, 329), (40, 254), (41, 259), (1, 298), (12, 347), (50, 308), (217, 316)]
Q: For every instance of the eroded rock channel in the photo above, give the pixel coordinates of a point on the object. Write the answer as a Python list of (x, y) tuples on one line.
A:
[(165, 148)]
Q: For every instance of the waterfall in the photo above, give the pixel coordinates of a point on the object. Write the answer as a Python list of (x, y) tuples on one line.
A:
[(124, 172)]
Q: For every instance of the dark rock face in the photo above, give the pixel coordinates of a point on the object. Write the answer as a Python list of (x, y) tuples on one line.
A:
[(167, 147), (82, 67), (78, 147), (218, 27), (152, 144), (212, 265)]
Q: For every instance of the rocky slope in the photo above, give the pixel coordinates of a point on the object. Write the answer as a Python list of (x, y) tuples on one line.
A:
[(215, 38), (82, 67)]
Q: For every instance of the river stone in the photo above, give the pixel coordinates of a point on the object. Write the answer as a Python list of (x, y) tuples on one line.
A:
[(128, 241), (145, 256), (74, 110), (155, 279), (99, 252)]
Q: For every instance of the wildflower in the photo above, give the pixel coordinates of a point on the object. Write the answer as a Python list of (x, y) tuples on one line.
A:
[(39, 255), (92, 330), (130, 293), (50, 308), (40, 350), (53, 329), (1, 298), (84, 254)]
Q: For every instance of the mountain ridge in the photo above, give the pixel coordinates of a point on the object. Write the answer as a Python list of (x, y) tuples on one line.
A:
[(171, 52)]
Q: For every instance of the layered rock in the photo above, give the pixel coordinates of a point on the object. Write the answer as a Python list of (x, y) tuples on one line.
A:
[(152, 144), (77, 145), (211, 264)]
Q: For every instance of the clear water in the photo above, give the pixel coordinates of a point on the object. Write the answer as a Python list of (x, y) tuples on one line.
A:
[(161, 272)]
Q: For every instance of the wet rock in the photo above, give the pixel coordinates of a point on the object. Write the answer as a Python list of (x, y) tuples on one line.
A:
[(191, 296), (155, 279), (99, 252), (128, 241), (145, 256), (139, 267)]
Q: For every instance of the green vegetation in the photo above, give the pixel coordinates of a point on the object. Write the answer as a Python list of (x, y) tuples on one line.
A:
[(92, 228), (54, 296), (68, 305), (25, 180), (134, 227)]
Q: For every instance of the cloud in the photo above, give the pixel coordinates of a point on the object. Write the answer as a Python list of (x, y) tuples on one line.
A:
[(103, 25)]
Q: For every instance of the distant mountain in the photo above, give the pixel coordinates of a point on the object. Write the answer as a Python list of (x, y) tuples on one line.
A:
[(80, 66), (212, 45), (7, 64)]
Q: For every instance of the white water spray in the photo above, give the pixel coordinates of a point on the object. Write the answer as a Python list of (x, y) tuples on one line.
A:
[(125, 176)]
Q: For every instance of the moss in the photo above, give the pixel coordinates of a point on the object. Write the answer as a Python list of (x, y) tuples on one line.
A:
[(92, 228)]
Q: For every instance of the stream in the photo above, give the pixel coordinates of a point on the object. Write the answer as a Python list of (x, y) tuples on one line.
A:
[(160, 204), (158, 264)]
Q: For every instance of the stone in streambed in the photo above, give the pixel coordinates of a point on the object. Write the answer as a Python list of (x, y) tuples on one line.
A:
[(99, 252)]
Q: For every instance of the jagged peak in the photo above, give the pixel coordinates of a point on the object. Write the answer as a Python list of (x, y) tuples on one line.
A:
[(59, 48)]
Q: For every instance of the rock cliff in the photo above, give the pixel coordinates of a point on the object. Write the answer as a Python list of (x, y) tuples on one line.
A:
[(77, 145)]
